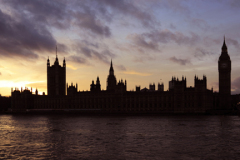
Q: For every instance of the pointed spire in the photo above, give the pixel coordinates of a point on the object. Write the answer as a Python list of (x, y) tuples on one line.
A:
[(224, 47), (224, 55), (111, 71), (56, 61)]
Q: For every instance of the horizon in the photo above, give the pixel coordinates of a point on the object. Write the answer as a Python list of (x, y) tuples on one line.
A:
[(149, 42)]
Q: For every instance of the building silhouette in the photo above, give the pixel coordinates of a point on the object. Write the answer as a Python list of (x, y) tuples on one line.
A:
[(116, 99), (111, 80), (56, 78), (224, 69)]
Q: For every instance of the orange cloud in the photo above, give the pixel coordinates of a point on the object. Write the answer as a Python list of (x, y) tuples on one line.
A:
[(137, 73)]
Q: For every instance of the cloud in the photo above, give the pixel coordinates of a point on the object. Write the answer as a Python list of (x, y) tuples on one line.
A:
[(89, 21), (76, 59), (90, 51), (144, 58), (22, 32), (177, 6), (235, 87), (60, 14), (152, 39), (131, 9), (137, 73), (140, 41), (200, 23), (51, 13), (92, 44), (71, 67), (21, 38), (121, 67), (230, 41), (166, 36), (172, 26), (200, 53), (180, 61), (0, 73), (234, 3)]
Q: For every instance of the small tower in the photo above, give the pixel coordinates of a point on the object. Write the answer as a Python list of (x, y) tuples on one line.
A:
[(98, 85), (64, 62), (92, 86), (111, 80), (48, 62)]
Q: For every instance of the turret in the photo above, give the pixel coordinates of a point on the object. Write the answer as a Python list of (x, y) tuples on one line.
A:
[(97, 81), (98, 85), (92, 86), (48, 62), (36, 92), (64, 62)]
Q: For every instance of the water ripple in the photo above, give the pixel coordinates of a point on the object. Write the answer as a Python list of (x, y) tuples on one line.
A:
[(163, 137)]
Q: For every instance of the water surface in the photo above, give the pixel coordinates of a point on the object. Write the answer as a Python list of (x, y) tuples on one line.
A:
[(119, 137)]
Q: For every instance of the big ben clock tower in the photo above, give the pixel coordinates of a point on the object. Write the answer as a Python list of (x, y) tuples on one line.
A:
[(224, 69)]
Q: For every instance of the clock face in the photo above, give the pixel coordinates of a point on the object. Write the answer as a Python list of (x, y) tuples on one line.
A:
[(224, 65)]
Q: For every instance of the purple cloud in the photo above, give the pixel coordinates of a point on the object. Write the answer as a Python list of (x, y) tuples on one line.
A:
[(90, 51), (180, 61), (200, 53), (19, 37), (140, 41), (121, 67), (77, 59), (236, 86), (166, 36)]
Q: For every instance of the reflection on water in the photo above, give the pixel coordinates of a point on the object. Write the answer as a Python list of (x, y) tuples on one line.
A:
[(122, 137)]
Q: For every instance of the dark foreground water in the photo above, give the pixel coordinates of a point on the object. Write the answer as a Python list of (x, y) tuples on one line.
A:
[(121, 137)]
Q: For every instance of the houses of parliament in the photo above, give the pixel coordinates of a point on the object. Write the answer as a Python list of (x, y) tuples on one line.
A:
[(116, 99)]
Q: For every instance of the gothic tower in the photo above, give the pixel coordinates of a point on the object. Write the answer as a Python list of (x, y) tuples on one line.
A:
[(111, 81), (56, 78), (224, 69)]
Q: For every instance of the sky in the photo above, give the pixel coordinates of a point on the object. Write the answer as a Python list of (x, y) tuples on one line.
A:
[(148, 41)]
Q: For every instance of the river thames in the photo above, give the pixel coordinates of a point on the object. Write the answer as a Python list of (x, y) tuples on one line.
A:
[(119, 137)]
